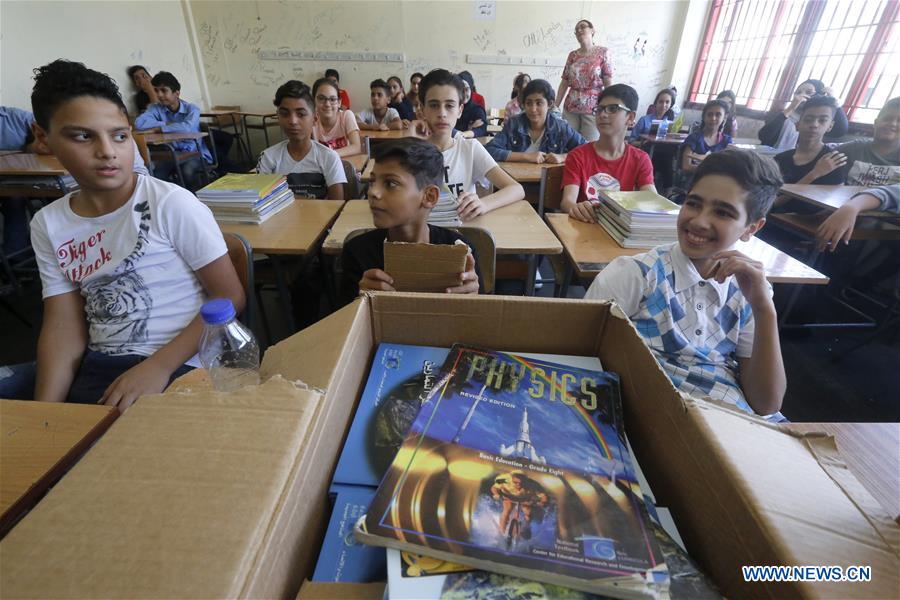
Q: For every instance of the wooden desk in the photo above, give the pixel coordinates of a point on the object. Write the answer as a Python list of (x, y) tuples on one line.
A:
[(39, 441), (393, 134), (30, 165), (524, 172), (295, 230), (358, 161), (754, 145), (33, 175), (872, 454), (870, 225), (589, 248), (516, 228), (829, 197), (168, 138)]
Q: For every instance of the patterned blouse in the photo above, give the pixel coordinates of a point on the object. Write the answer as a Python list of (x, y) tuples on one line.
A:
[(584, 74)]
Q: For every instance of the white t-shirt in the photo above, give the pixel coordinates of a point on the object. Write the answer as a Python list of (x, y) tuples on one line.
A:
[(319, 159), (368, 117), (465, 163), (134, 266)]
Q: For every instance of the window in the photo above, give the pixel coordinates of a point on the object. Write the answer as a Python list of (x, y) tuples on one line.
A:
[(763, 49)]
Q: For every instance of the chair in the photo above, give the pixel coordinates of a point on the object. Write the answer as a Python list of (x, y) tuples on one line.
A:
[(550, 197), (352, 189), (486, 253), (144, 151), (241, 255)]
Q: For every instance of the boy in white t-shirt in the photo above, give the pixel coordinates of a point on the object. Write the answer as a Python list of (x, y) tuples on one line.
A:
[(465, 160), (318, 168), (126, 262), (380, 117)]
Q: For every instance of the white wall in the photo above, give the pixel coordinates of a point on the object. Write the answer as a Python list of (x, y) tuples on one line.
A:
[(105, 35), (430, 34)]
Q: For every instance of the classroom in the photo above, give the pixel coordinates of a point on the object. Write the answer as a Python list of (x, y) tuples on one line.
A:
[(255, 257)]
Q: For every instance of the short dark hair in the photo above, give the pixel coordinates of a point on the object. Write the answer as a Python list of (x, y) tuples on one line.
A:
[(538, 86), (397, 79), (135, 68), (892, 104), (166, 79), (714, 104), (623, 92), (816, 101), (440, 77), (332, 73), (293, 89), (727, 94), (420, 158), (591, 25), (757, 174), (323, 81), (381, 83), (414, 75), (62, 80)]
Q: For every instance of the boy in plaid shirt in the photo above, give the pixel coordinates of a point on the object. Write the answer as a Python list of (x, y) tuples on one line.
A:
[(705, 309)]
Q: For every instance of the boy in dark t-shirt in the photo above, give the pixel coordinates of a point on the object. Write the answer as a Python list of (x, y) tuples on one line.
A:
[(405, 187), (813, 161)]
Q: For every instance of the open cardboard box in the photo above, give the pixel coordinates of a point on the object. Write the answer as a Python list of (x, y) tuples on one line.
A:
[(742, 492)]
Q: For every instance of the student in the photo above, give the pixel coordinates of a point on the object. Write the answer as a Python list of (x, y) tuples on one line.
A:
[(125, 262), (15, 125), (704, 309), (812, 161), (413, 98), (145, 95), (405, 187), (730, 99), (398, 99), (476, 97), (609, 163), (662, 109), (876, 162), (380, 117), (535, 135), (335, 128), (472, 121), (414, 80), (465, 160), (779, 130), (839, 225), (169, 115), (513, 108), (334, 77), (320, 166), (700, 144)]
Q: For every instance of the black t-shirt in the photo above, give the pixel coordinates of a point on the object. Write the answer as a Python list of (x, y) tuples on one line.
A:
[(366, 252), (141, 101), (792, 173)]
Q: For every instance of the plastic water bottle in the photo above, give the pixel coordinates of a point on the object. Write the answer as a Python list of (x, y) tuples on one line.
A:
[(228, 350)]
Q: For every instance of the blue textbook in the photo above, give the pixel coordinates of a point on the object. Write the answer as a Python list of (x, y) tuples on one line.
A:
[(400, 378), (342, 558)]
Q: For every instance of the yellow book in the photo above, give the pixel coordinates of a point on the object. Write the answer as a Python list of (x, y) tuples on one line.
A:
[(242, 186)]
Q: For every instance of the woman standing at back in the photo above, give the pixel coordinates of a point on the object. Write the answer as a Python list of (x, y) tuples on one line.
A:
[(587, 72)]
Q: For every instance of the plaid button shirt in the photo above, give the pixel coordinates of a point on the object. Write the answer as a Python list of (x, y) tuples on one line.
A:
[(696, 328)]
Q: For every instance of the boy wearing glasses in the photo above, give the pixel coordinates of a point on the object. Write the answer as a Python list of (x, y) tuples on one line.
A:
[(609, 163)]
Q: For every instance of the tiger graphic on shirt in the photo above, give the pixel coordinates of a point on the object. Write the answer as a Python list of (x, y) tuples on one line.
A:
[(121, 300)]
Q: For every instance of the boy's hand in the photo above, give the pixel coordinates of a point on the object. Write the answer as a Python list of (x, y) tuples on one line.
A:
[(476, 123), (583, 211), (382, 127), (404, 123), (750, 276), (828, 163), (146, 377), (554, 159), (377, 280), (468, 279), (419, 129), (837, 228), (470, 206), (536, 157)]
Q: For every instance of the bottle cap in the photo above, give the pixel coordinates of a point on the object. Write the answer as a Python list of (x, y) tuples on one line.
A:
[(218, 311)]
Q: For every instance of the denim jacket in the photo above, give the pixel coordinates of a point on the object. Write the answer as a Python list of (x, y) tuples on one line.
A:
[(559, 137)]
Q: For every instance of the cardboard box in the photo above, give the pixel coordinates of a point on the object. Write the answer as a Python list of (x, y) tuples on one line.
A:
[(742, 492)]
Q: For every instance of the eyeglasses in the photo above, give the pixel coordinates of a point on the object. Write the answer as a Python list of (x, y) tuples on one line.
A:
[(327, 99), (610, 109)]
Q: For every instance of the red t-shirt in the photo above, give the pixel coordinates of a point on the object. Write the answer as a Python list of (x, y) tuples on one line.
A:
[(479, 99), (345, 99), (592, 174)]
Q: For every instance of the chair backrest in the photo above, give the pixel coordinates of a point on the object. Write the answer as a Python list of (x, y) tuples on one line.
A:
[(550, 189), (241, 255), (144, 151), (372, 142), (352, 189), (210, 142), (485, 254), (223, 120)]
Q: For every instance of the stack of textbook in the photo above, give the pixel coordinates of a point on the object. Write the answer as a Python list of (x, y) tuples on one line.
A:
[(640, 219), (246, 198)]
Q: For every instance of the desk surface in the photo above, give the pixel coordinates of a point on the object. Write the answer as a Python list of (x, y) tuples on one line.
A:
[(294, 230), (868, 226), (165, 138), (516, 228), (830, 197), (263, 115), (671, 138), (525, 172), (30, 164), (393, 134), (39, 441), (590, 248), (872, 454), (357, 160)]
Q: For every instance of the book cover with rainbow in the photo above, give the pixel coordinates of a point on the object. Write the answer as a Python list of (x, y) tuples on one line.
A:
[(520, 466)]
